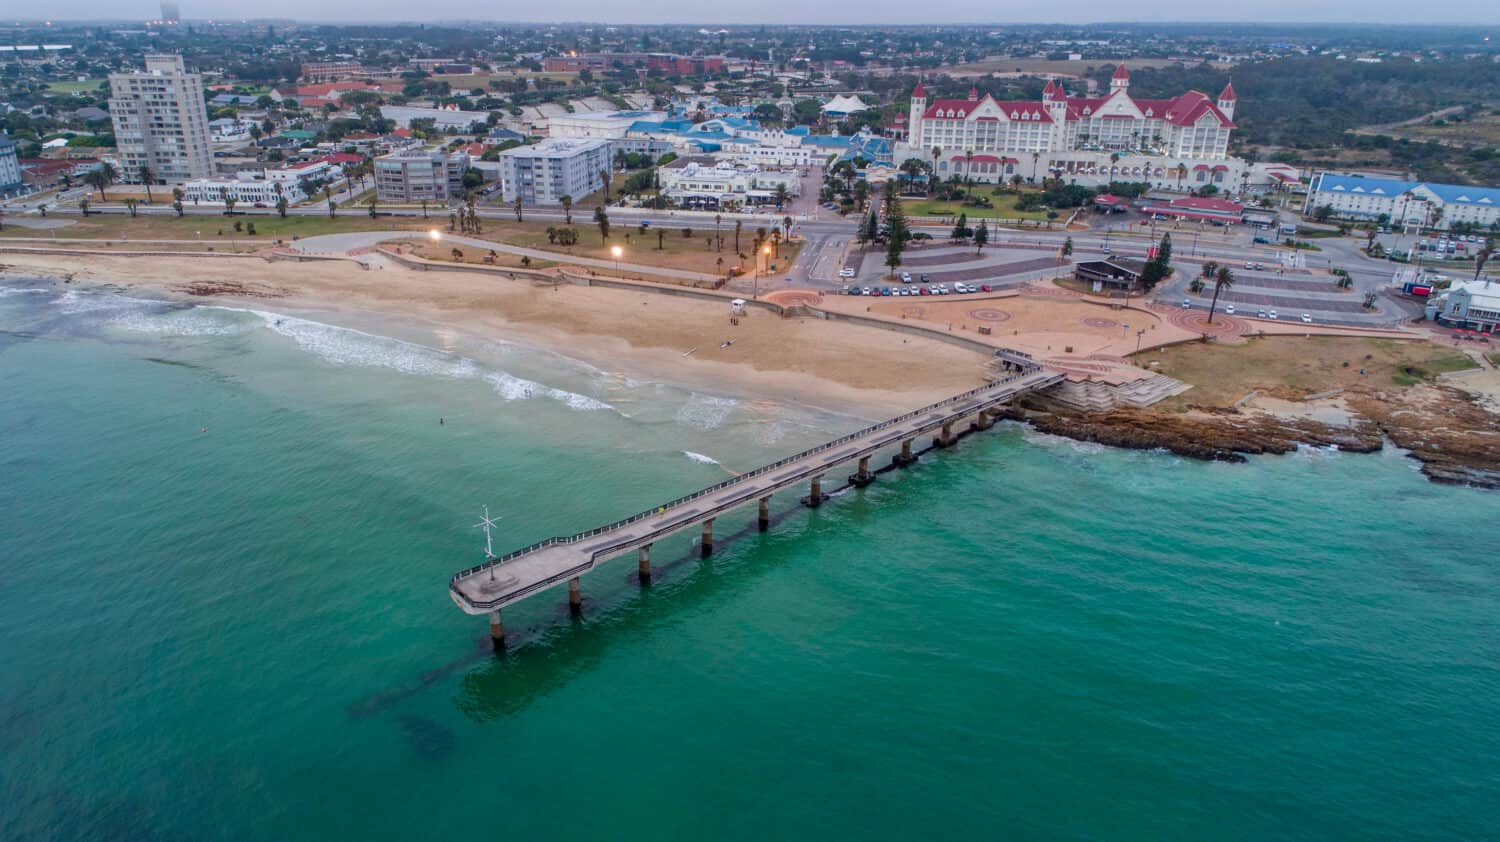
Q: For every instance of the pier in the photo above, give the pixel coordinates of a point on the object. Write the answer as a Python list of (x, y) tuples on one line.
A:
[(500, 581)]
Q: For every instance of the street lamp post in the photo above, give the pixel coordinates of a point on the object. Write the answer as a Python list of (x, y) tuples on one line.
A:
[(616, 251), (765, 252)]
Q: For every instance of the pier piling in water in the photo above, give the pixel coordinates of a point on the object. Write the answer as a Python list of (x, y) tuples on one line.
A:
[(862, 477), (707, 546), (575, 595), (497, 629), (763, 519), (644, 566), (905, 457)]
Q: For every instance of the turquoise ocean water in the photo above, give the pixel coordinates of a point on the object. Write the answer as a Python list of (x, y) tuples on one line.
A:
[(225, 537)]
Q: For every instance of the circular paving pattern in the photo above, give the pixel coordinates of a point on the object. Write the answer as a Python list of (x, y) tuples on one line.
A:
[(1096, 321), (988, 314), (913, 311), (1197, 322)]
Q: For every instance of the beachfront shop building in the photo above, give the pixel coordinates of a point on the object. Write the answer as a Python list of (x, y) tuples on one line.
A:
[(1197, 209), (1404, 204), (1469, 305), (1114, 273), (247, 190), (714, 185)]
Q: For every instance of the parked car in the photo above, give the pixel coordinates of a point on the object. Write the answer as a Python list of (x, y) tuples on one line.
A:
[(1229, 309), (923, 277), (923, 291), (1249, 265), (985, 288), (905, 276), (865, 291), (1272, 315), (1187, 304), (848, 290), (846, 272), (1260, 314), (1307, 318)]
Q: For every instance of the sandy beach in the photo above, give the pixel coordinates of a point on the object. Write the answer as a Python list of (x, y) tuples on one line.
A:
[(846, 368)]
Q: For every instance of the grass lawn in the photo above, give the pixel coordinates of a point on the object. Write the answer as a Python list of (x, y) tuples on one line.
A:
[(426, 248), (1222, 374), (659, 245), (74, 86), (693, 253), (207, 228), (1005, 208)]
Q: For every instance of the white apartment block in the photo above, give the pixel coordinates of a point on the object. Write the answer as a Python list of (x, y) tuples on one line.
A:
[(1181, 142), (424, 174), (160, 122), (704, 183), (543, 173)]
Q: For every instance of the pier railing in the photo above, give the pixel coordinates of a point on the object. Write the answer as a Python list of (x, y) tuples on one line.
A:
[(1029, 367)]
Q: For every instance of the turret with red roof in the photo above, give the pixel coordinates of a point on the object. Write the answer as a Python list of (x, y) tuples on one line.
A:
[(1227, 99)]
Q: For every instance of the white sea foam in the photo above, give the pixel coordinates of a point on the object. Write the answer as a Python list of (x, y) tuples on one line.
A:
[(705, 412), (4, 291), (513, 388), (349, 347), (192, 322), (700, 458), (73, 302)]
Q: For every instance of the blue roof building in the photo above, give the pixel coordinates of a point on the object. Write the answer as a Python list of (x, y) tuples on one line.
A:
[(1421, 204)]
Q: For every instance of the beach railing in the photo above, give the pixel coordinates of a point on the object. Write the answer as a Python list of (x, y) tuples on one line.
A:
[(1029, 369)]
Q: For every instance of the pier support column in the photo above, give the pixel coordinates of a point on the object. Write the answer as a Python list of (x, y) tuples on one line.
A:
[(862, 477), (815, 495), (644, 566), (497, 630), (944, 438), (983, 421), (763, 519), (905, 457), (708, 537), (575, 596)]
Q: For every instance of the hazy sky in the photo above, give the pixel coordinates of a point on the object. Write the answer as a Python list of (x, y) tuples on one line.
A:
[(1460, 12)]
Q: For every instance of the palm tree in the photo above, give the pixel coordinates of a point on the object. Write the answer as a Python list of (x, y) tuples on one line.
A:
[(332, 205), (424, 208), (177, 195), (1483, 256), (229, 201), (147, 176), (936, 152), (1035, 157), (567, 206), (1181, 175), (281, 202), (604, 182), (130, 205), (373, 202), (83, 206), (739, 225), (969, 174), (519, 213), (1223, 279)]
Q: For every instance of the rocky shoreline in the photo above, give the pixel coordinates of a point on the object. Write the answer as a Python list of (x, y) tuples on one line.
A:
[(1456, 439)]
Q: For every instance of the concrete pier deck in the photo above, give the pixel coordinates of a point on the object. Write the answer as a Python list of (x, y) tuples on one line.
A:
[(514, 576)]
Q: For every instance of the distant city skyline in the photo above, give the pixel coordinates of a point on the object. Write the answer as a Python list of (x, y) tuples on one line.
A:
[(950, 12)]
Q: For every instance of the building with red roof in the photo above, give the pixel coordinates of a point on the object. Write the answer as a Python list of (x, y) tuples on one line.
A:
[(1179, 142)]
